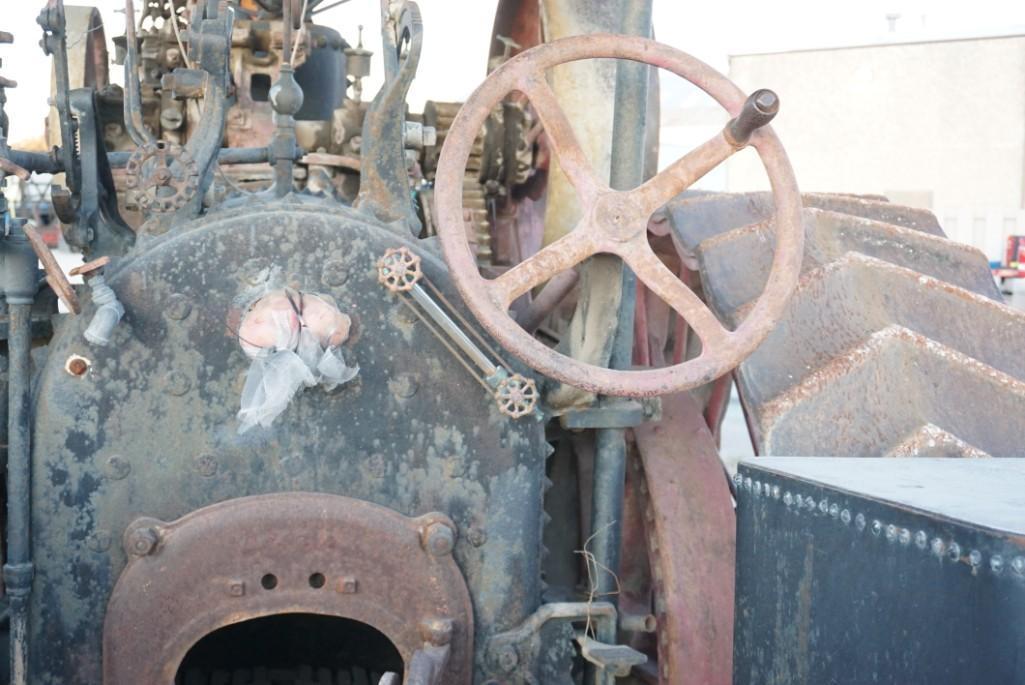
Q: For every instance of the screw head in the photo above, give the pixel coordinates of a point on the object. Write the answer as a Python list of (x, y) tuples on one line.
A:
[(142, 541), (117, 468), (335, 272), (178, 383), (438, 539)]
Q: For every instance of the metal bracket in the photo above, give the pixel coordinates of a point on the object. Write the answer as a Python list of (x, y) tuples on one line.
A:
[(615, 413)]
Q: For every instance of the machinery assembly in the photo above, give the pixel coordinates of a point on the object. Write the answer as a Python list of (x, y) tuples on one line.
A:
[(345, 393)]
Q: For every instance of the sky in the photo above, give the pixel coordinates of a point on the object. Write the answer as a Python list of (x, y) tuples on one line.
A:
[(457, 33)]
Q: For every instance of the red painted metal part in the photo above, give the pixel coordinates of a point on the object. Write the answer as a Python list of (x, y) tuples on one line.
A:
[(212, 568), (691, 539), (614, 222)]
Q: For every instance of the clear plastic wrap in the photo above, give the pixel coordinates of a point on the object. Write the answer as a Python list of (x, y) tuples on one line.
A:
[(293, 339)]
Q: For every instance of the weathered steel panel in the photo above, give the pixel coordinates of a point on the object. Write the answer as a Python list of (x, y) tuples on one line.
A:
[(880, 571)]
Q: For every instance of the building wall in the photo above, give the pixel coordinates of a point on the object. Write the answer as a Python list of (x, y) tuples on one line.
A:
[(939, 125)]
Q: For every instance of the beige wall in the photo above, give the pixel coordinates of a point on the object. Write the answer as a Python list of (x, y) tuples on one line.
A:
[(940, 125)]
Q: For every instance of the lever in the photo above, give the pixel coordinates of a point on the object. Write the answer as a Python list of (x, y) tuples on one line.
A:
[(759, 109)]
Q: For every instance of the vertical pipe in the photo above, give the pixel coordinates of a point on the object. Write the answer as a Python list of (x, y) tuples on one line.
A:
[(18, 569), (627, 171)]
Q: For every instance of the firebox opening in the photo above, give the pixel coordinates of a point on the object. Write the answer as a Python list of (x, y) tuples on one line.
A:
[(291, 648)]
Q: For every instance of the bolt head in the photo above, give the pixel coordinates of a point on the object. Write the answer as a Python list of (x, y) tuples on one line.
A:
[(438, 539), (236, 588), (142, 541)]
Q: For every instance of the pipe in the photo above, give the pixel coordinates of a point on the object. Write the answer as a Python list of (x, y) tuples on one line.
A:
[(18, 570), (108, 311), (137, 130), (627, 171), (20, 278)]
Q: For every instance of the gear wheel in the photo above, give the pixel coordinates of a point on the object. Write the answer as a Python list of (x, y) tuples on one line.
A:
[(162, 177)]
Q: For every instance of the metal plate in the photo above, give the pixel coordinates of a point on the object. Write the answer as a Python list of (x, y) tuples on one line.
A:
[(882, 571)]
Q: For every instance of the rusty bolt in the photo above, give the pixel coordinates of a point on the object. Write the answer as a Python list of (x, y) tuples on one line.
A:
[(335, 273), (436, 631), (178, 307), (236, 588), (438, 539), (178, 383), (347, 585), (77, 365), (206, 464), (142, 541), (477, 536), (506, 658), (117, 468)]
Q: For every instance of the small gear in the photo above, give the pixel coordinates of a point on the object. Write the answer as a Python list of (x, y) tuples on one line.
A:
[(162, 177), (399, 269), (516, 396)]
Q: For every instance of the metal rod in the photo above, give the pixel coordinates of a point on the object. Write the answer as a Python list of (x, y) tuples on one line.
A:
[(134, 124), (18, 568), (627, 171), (453, 331)]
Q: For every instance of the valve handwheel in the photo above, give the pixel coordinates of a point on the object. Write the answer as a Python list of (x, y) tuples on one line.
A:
[(615, 222)]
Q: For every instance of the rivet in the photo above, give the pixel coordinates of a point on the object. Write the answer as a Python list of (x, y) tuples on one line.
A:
[(975, 557), (845, 516), (891, 532), (758, 487), (810, 503), (921, 539), (99, 540), (824, 507), (347, 585), (775, 492), (77, 365), (1018, 565), (799, 501), (478, 536), (937, 547), (877, 527), (236, 588), (834, 510), (859, 522), (996, 564), (738, 480), (178, 307), (117, 468), (293, 465), (142, 541), (905, 537), (335, 272), (178, 383), (206, 465), (438, 539), (748, 483), (954, 551), (788, 499), (506, 658)]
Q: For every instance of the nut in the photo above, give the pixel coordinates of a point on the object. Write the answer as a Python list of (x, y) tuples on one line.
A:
[(142, 541), (438, 539)]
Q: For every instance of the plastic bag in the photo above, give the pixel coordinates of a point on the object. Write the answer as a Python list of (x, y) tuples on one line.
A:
[(294, 341)]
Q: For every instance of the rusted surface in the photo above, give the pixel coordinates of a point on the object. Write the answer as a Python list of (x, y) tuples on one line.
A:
[(90, 267), (690, 525), (211, 569), (54, 274), (614, 222)]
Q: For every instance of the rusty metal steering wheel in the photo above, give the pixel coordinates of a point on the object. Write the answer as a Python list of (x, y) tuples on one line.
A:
[(615, 221)]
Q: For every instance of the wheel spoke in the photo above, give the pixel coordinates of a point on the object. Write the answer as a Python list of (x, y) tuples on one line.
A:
[(683, 173), (559, 131), (664, 283), (563, 254)]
